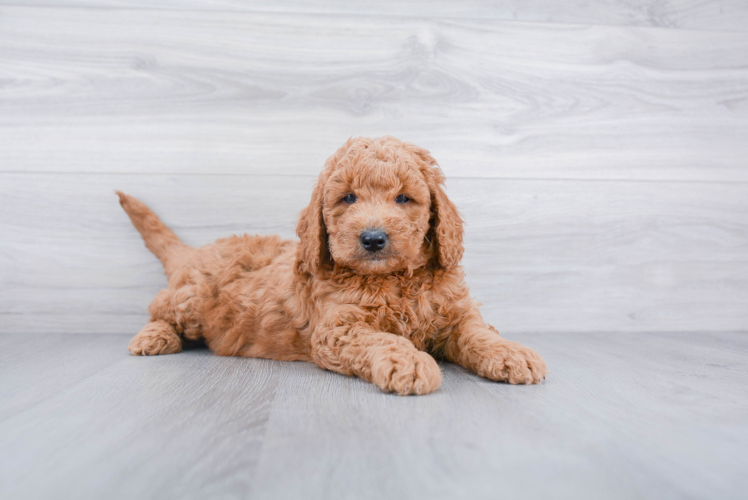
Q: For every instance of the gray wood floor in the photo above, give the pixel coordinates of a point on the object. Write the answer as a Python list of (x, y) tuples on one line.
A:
[(620, 416)]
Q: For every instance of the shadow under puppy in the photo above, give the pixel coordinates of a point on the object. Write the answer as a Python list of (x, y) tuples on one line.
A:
[(373, 289)]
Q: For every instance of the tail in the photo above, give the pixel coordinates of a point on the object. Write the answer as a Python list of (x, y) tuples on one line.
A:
[(158, 238)]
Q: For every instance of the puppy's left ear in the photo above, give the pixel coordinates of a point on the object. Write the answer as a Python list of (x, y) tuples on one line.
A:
[(446, 223), (446, 230)]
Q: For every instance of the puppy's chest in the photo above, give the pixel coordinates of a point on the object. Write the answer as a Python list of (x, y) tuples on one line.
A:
[(411, 309)]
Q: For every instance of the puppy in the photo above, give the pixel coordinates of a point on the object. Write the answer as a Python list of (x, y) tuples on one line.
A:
[(373, 288)]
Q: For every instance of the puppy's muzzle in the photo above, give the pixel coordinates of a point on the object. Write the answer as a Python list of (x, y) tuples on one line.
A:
[(373, 241)]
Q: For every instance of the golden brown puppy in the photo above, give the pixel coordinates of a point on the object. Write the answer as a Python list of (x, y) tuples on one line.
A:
[(373, 289)]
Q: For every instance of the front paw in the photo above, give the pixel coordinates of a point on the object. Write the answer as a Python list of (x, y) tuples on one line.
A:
[(513, 363), (409, 372)]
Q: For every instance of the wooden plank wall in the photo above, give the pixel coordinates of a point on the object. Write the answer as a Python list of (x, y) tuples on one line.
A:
[(598, 152)]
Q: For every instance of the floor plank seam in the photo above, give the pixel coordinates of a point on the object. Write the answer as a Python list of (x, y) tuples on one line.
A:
[(443, 18)]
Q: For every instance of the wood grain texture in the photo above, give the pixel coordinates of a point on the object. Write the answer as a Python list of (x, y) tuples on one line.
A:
[(26, 383), (694, 14), (544, 256), (177, 427), (97, 90), (601, 169), (660, 416)]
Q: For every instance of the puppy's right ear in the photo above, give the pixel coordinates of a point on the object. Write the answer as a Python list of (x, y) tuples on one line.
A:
[(313, 253)]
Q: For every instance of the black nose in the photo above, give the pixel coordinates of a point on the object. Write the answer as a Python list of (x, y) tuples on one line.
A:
[(373, 241)]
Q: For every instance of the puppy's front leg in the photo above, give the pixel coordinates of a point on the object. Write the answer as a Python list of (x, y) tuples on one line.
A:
[(350, 346), (480, 348)]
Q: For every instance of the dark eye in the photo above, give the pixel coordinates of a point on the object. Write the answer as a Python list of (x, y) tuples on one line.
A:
[(402, 199), (351, 198)]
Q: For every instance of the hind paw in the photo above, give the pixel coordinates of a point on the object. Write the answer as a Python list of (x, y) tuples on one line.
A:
[(157, 337)]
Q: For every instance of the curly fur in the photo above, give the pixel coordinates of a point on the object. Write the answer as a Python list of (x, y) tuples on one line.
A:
[(384, 318)]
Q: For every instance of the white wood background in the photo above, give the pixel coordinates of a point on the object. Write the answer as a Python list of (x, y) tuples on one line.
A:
[(597, 150)]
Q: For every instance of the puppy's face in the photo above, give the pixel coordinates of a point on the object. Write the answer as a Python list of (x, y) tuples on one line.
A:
[(379, 207), (376, 212)]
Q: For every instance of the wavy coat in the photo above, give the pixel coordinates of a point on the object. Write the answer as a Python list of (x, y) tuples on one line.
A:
[(384, 317)]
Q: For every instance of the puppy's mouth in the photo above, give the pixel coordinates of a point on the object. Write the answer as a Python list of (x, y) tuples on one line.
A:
[(380, 262), (377, 257)]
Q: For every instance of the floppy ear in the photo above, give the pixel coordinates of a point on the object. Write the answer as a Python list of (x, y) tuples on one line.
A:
[(313, 252), (446, 224), (446, 229)]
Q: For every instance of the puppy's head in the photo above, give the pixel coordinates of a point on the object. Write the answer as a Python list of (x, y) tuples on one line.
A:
[(379, 207)]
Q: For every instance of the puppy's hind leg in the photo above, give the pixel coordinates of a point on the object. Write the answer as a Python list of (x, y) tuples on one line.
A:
[(157, 337)]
